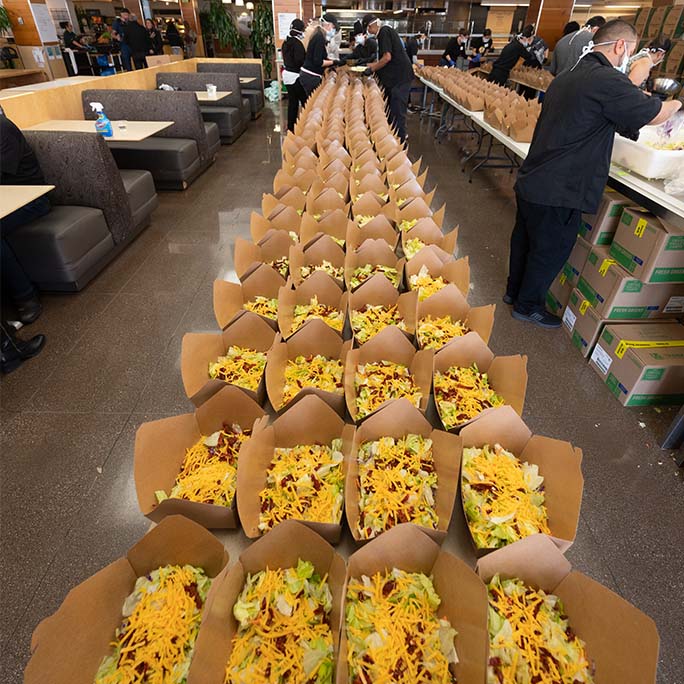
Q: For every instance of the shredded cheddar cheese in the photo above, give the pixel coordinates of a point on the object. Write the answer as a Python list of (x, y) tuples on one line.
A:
[(312, 371), (263, 306), (240, 366), (281, 264), (412, 247), (336, 272), (363, 273), (379, 381), (372, 318), (426, 284), (329, 314), (434, 333), (407, 224)]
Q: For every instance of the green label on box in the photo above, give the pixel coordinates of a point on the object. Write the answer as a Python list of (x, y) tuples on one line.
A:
[(633, 286), (616, 210), (675, 243), (608, 336), (655, 399), (588, 291), (605, 238), (653, 374), (584, 229), (613, 384), (567, 271), (592, 258), (574, 298), (627, 218), (552, 303), (626, 312), (623, 257), (577, 341), (667, 275)]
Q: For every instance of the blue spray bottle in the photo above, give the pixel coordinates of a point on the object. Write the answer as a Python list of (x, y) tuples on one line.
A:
[(103, 125)]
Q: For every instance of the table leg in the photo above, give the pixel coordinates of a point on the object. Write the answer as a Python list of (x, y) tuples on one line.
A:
[(674, 439)]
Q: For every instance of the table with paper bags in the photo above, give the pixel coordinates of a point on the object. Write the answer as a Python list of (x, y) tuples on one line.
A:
[(349, 398)]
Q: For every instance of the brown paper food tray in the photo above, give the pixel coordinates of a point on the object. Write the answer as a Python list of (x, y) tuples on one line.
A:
[(404, 173), (300, 178), (315, 337), (335, 151), (430, 233), (319, 284), (305, 158), (507, 374), (247, 256), (326, 200), (333, 223), (337, 181), (323, 249), (230, 298), (369, 183), (160, 449), (371, 204), (456, 272), (391, 345), (401, 159), (378, 290), (293, 143), (369, 168), (450, 301), (68, 646), (379, 227), (372, 252), (387, 147), (285, 219), (417, 208), (398, 419), (280, 548), (463, 596), (309, 421), (621, 641), (199, 349), (559, 464), (288, 195), (410, 190), (331, 169)]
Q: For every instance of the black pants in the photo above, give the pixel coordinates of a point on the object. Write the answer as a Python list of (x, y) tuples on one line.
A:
[(499, 76), (541, 242), (15, 281), (296, 95), (139, 59), (309, 83), (398, 98)]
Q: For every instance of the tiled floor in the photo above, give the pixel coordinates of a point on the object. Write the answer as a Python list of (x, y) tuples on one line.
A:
[(112, 362)]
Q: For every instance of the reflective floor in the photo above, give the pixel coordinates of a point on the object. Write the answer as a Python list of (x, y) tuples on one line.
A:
[(112, 362)]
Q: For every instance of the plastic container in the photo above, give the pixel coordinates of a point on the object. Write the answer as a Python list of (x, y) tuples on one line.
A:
[(103, 125), (645, 160)]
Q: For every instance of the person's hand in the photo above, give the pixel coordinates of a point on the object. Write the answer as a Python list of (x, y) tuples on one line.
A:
[(368, 71)]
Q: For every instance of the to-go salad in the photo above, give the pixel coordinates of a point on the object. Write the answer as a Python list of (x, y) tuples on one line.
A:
[(263, 306), (434, 333), (304, 482), (336, 272), (397, 484), (312, 371), (328, 314), (502, 496), (412, 247), (363, 273), (425, 283), (281, 264), (240, 366), (376, 382), (531, 639), (370, 319), (394, 634), (284, 633), (161, 620)]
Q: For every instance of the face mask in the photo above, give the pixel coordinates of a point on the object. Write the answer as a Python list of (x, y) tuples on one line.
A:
[(622, 67), (330, 34), (360, 39)]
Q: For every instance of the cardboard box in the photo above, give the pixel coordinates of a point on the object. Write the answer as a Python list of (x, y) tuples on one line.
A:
[(648, 248), (369, 183), (335, 150), (642, 363), (371, 204), (283, 218), (507, 374), (160, 450), (575, 263), (377, 290), (290, 196), (417, 208), (388, 345), (230, 298), (282, 548), (299, 177), (463, 596), (248, 256), (673, 26), (402, 173), (599, 228), (621, 641), (313, 338), (318, 251), (428, 232), (372, 252), (558, 294), (68, 646), (449, 301), (339, 182), (398, 419), (304, 158), (408, 190), (319, 285), (333, 223), (309, 421), (332, 168), (616, 295), (379, 227), (456, 272), (581, 323), (326, 200), (200, 349), (558, 461)]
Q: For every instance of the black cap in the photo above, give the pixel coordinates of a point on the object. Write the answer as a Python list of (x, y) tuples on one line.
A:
[(297, 25), (368, 19), (330, 18), (357, 29)]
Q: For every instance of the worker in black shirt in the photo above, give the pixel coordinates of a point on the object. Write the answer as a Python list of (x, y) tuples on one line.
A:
[(138, 41), (316, 58), (393, 69), (70, 39), (365, 47), (456, 53), (294, 54), (413, 44), (568, 163), (483, 44), (511, 55)]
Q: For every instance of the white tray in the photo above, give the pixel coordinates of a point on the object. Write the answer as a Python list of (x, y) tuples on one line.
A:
[(645, 160)]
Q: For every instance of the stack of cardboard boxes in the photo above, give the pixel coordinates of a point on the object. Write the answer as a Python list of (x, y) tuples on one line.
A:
[(667, 20), (620, 294)]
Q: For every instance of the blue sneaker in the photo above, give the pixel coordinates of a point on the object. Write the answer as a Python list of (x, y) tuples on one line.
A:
[(543, 319)]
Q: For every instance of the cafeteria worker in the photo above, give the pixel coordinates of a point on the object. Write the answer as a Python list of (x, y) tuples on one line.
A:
[(568, 163)]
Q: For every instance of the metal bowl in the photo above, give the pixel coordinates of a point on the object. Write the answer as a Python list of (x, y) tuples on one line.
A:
[(666, 86)]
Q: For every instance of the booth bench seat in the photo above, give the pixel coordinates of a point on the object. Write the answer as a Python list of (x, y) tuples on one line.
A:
[(244, 69)]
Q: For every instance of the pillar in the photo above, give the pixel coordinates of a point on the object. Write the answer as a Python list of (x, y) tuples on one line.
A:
[(190, 13), (549, 16)]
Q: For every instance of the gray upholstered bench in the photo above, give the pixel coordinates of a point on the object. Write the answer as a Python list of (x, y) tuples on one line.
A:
[(254, 91), (174, 156)]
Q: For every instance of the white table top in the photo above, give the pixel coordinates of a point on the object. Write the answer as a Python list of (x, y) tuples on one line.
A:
[(13, 197), (57, 83), (134, 131), (245, 80), (649, 189), (203, 96)]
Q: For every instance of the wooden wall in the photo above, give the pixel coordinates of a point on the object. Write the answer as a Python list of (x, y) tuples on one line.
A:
[(26, 33)]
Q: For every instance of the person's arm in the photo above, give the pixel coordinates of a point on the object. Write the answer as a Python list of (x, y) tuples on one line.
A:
[(383, 61), (669, 108), (640, 70), (629, 108)]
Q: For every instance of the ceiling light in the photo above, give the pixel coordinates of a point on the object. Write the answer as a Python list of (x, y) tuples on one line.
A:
[(250, 5), (239, 3), (623, 6)]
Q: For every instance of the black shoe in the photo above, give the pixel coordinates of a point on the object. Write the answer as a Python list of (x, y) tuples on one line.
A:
[(16, 351), (507, 299), (28, 310), (543, 319)]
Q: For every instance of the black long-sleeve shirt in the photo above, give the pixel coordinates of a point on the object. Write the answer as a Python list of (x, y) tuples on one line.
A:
[(366, 53), (294, 54), (316, 53), (454, 49), (137, 38), (501, 69)]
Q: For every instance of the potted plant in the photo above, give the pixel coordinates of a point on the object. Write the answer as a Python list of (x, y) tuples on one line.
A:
[(219, 23), (263, 43)]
